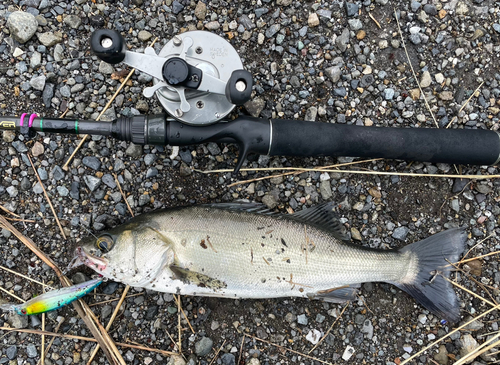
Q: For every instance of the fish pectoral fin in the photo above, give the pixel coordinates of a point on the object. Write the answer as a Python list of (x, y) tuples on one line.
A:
[(339, 294), (195, 278)]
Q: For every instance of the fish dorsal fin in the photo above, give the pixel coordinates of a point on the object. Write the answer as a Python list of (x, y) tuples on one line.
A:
[(324, 217), (242, 206)]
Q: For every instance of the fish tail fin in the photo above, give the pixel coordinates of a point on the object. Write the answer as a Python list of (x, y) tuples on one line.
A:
[(427, 283)]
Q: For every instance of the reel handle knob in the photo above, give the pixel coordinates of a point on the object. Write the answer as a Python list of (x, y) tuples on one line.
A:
[(108, 45), (239, 87)]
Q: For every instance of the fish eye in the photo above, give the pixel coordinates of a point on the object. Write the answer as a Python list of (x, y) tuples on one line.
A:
[(23, 311), (104, 243)]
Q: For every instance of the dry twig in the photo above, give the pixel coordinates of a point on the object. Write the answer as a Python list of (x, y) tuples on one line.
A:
[(289, 350), (463, 106), (178, 298), (449, 334), (329, 329), (89, 339), (47, 197), (217, 353), (108, 326), (413, 71)]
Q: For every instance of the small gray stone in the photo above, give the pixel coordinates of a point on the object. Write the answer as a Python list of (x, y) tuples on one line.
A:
[(25, 184), (325, 189), (106, 68), (269, 201), (37, 189), (31, 350), (177, 7), (415, 5), (49, 39), (38, 83), (184, 170), (92, 182), (351, 9), (42, 173), (65, 91), (134, 150), (355, 24), (144, 35), (343, 40), (11, 352), (228, 359), (92, 162), (212, 25), (302, 319), (35, 60), (367, 329), (333, 73), (311, 114), (109, 180), (400, 233), (213, 148), (152, 172), (201, 10), (19, 146), (73, 21), (22, 26), (12, 191), (8, 136), (62, 190), (57, 173), (254, 107), (17, 321), (48, 93), (58, 53), (203, 346), (388, 94), (272, 30)]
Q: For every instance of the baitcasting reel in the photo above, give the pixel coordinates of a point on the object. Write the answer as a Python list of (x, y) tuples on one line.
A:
[(198, 76)]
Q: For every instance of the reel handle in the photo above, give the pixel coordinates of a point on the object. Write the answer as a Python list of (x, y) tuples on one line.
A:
[(108, 45)]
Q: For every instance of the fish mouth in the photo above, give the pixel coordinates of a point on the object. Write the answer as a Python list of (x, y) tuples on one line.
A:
[(87, 259)]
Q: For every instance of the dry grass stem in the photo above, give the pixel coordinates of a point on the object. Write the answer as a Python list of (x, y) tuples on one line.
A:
[(298, 171), (470, 277), (217, 353), (241, 348), (101, 335), (123, 195), (475, 258), (184, 314), (413, 71), (12, 295), (449, 334), (89, 339), (26, 277), (290, 350), (369, 172), (108, 326), (47, 197), (464, 105), (179, 328), (375, 20), (473, 247), (50, 342), (470, 292), (115, 299), (42, 346), (21, 220), (9, 212), (329, 329), (479, 351), (84, 138)]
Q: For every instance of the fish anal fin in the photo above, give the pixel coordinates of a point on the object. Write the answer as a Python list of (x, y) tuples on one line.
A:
[(322, 216), (195, 278), (339, 294)]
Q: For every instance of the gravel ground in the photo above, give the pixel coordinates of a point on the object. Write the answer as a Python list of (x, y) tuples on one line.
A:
[(325, 61)]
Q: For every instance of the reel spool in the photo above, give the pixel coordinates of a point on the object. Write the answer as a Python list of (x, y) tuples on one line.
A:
[(198, 76)]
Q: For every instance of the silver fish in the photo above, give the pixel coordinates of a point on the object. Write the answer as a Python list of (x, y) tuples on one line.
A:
[(239, 250)]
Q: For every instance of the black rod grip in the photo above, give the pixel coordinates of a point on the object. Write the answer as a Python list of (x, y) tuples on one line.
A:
[(460, 146)]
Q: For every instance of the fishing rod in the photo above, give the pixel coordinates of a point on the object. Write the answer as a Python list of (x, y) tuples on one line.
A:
[(198, 77)]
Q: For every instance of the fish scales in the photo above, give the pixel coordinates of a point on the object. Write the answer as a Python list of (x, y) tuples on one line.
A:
[(238, 251), (247, 253)]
